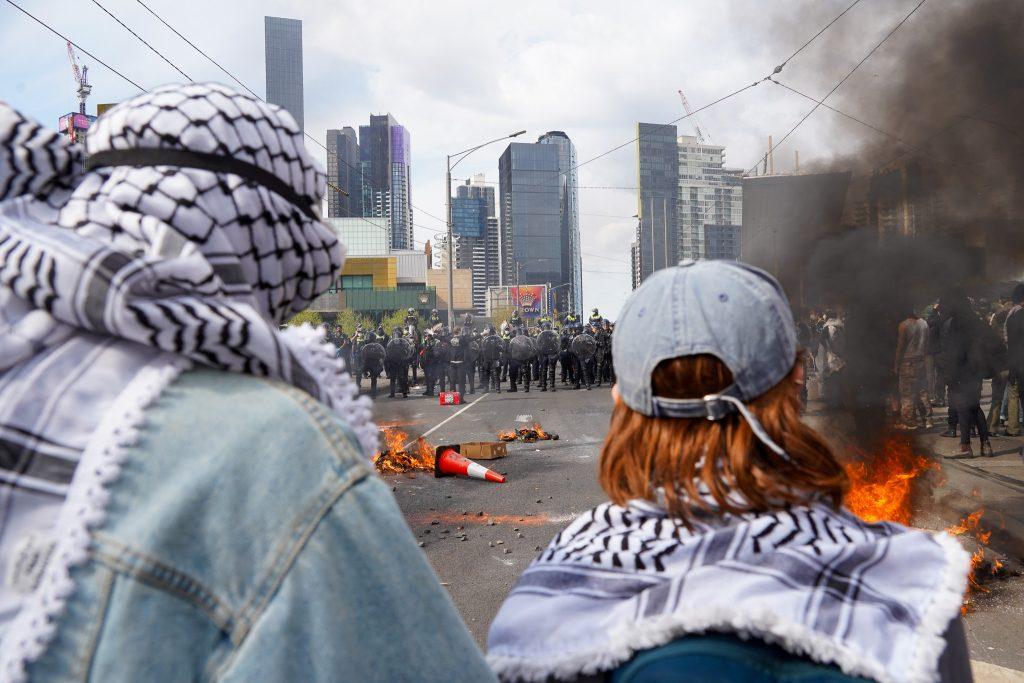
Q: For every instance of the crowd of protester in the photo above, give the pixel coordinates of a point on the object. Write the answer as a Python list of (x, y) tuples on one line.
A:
[(186, 486), (943, 355)]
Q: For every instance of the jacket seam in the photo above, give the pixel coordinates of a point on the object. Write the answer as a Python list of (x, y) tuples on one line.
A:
[(277, 573), (158, 574), (101, 620)]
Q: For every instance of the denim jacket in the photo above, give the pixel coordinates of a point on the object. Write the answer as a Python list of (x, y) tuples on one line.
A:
[(248, 540)]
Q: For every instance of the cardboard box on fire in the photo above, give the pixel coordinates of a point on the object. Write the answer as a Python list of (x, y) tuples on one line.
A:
[(483, 450)]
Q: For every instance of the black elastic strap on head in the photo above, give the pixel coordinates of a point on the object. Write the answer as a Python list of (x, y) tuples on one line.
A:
[(216, 163)]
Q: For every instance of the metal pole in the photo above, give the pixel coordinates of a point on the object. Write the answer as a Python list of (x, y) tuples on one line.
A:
[(448, 207), (664, 217), (519, 292)]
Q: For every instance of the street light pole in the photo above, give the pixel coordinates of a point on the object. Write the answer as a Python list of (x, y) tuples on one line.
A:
[(448, 204)]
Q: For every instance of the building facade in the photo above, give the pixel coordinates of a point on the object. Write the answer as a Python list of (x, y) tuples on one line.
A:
[(539, 226), (709, 194), (385, 161), (283, 56), (571, 296), (477, 188), (362, 236), (344, 172), (657, 198)]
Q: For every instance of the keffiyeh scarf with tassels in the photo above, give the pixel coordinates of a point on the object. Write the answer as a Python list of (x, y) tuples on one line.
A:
[(874, 599), (194, 235)]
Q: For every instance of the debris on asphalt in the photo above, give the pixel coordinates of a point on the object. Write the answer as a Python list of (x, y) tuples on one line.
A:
[(531, 434), (394, 458), (449, 461)]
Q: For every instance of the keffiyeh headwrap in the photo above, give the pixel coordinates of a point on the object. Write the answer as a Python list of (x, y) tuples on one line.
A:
[(192, 236), (874, 599)]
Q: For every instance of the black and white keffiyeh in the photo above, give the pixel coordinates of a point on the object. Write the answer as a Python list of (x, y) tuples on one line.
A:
[(874, 599), (138, 269)]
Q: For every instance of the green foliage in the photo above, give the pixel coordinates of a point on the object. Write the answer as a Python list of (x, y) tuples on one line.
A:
[(348, 319), (500, 315), (393, 320), (311, 317)]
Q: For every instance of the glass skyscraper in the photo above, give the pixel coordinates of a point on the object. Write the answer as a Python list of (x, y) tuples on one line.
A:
[(343, 171), (283, 55), (571, 297), (530, 188), (478, 189), (709, 195), (385, 157), (657, 243)]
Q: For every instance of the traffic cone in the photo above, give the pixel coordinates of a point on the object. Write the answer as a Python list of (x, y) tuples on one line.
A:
[(448, 462)]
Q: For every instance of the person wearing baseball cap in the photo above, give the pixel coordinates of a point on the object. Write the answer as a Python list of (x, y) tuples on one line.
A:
[(725, 546)]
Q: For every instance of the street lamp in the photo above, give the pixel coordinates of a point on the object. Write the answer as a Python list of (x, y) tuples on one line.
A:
[(459, 156)]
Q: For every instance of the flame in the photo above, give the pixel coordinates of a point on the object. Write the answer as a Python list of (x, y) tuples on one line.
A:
[(527, 434), (394, 458), (881, 488), (541, 434), (507, 435)]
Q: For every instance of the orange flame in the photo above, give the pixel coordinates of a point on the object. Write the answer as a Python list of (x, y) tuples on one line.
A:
[(507, 435), (396, 459), (881, 488)]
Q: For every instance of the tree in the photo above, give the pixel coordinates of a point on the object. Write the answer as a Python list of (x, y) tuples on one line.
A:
[(348, 319), (500, 315), (307, 316), (393, 320)]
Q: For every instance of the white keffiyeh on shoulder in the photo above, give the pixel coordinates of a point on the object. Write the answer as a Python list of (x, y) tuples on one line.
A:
[(191, 243), (874, 599)]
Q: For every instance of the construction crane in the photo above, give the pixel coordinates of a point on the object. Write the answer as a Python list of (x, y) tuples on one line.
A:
[(81, 78), (701, 136)]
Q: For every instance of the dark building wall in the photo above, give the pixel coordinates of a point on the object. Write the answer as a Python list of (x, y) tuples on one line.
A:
[(343, 170), (282, 44), (484, 192), (784, 217), (658, 180), (530, 198)]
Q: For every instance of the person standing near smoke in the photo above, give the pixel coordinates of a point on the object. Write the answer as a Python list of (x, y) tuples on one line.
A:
[(1015, 352), (967, 359), (911, 349)]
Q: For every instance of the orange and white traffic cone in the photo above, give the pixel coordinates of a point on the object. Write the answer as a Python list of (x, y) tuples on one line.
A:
[(448, 462)]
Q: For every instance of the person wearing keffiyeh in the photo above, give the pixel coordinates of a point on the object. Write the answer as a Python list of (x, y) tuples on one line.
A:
[(184, 487), (725, 552)]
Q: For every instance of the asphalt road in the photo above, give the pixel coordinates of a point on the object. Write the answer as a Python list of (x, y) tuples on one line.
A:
[(480, 536)]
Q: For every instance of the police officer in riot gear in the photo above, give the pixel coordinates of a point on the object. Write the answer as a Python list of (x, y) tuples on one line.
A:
[(603, 337), (565, 356), (429, 361), (411, 318), (397, 367), (435, 318), (548, 346), (515, 321), (457, 363), (595, 318)]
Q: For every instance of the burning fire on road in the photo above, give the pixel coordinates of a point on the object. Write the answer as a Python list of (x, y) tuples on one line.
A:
[(883, 488), (527, 434), (394, 458)]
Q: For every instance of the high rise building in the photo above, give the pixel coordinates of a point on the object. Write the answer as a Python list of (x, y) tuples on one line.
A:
[(384, 153), (343, 170), (475, 246), (657, 198), (531, 194), (478, 188), (572, 257), (709, 195), (283, 55)]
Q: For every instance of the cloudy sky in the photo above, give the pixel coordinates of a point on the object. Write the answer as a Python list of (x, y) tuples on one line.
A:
[(456, 73)]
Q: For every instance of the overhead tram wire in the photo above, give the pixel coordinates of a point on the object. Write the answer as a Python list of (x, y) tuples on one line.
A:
[(782, 64), (250, 91), (141, 39), (307, 135), (76, 45), (837, 85), (196, 48)]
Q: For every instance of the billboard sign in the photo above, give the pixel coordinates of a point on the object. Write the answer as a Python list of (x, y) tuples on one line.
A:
[(529, 298)]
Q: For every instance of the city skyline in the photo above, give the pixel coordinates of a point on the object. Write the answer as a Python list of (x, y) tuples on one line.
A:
[(282, 53), (355, 64)]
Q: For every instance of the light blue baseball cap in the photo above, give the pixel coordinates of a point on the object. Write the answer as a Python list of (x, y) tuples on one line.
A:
[(727, 309)]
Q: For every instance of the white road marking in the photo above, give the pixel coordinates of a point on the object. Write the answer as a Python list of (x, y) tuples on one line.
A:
[(507, 563), (447, 420)]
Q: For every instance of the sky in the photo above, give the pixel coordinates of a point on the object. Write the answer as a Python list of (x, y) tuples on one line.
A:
[(456, 73)]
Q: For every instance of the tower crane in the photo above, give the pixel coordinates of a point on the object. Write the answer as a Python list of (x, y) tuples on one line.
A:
[(81, 74), (701, 136)]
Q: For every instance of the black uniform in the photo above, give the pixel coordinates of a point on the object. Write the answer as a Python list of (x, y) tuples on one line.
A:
[(603, 355), (457, 365), (398, 373)]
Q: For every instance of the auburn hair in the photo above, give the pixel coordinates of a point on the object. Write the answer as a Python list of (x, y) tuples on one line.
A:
[(670, 460)]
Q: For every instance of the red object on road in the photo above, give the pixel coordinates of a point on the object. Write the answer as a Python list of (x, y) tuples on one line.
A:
[(448, 462), (449, 398)]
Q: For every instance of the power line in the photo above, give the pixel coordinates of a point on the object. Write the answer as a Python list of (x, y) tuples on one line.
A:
[(76, 45), (895, 137), (153, 49), (609, 258), (782, 65), (839, 84), (196, 48)]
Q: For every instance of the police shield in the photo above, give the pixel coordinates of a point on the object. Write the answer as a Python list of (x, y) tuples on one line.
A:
[(584, 345), (399, 350), (373, 353), (492, 348), (522, 348), (548, 343)]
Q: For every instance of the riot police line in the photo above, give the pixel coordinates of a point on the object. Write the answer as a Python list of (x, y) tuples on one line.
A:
[(472, 356)]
